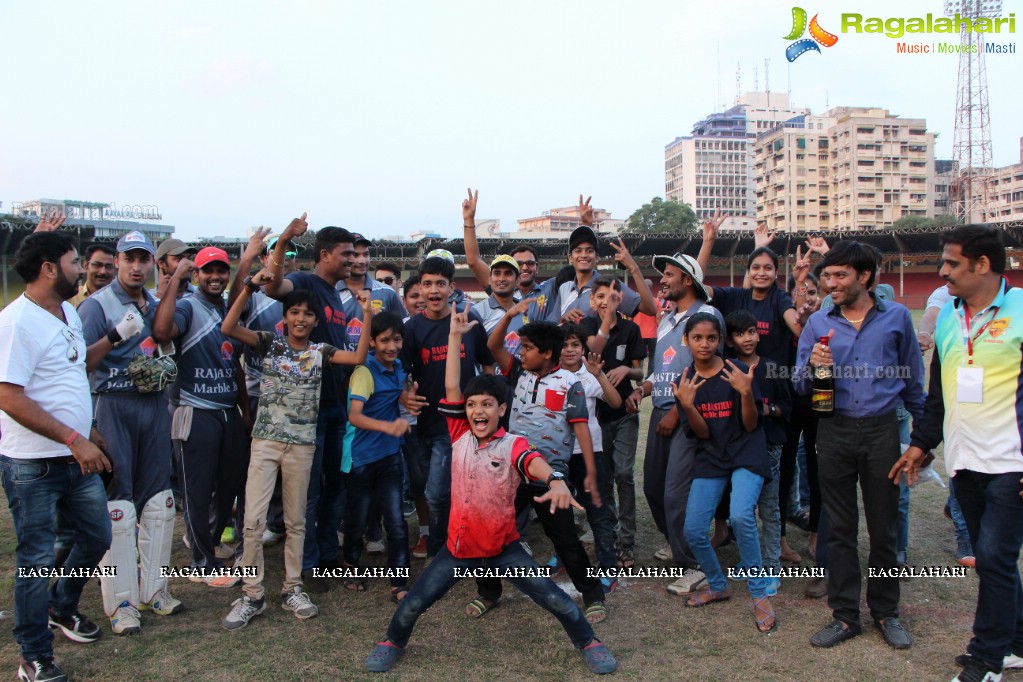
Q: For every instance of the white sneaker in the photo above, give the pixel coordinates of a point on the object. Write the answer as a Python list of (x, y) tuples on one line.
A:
[(664, 553), (298, 602), (242, 611), (163, 604), (375, 547), (126, 620), (271, 538), (691, 580), (1012, 662), (223, 551)]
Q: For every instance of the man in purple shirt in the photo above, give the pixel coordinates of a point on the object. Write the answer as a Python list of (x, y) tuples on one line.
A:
[(876, 360)]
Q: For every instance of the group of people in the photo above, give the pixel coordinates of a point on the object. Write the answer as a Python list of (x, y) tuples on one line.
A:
[(321, 404)]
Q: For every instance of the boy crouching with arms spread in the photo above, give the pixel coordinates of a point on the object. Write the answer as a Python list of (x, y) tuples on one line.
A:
[(487, 466)]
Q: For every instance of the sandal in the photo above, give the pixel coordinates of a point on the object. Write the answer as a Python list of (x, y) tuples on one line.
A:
[(478, 607), (398, 593), (626, 557), (768, 615), (595, 613), (707, 596)]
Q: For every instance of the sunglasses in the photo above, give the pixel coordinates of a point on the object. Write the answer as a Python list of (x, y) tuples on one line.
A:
[(72, 348), (387, 280)]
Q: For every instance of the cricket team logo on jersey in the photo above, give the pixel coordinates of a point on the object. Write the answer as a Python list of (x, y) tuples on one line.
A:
[(279, 329), (148, 347), (227, 351), (668, 356), (355, 330), (512, 343)]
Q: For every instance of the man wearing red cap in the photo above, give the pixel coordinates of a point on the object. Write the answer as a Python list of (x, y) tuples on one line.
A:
[(207, 428)]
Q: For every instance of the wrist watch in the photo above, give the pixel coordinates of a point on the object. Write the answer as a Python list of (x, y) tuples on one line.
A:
[(253, 287), (555, 476)]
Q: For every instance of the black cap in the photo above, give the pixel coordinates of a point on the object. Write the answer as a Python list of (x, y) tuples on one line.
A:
[(357, 239), (583, 234)]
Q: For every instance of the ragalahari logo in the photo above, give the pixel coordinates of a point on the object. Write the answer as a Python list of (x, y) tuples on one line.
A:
[(817, 35)]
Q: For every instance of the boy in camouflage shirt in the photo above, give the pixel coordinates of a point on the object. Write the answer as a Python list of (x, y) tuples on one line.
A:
[(283, 438)]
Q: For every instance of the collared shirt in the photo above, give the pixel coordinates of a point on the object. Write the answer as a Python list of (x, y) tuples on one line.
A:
[(624, 345), (985, 436), (83, 293), (206, 360), (533, 292), (100, 313), (47, 358), (939, 297), (491, 312), (545, 408), (874, 366), (190, 290), (671, 356), (484, 480), (377, 388), (593, 392), (382, 298), (570, 296)]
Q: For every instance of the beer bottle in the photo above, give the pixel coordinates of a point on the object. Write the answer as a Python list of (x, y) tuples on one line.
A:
[(822, 399)]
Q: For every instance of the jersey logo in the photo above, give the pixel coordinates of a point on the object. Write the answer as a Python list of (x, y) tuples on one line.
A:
[(148, 347), (354, 330), (116, 514), (279, 328), (227, 351), (512, 343), (998, 327), (376, 305), (668, 356)]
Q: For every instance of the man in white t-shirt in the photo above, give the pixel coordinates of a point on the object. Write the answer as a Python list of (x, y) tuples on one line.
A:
[(50, 456)]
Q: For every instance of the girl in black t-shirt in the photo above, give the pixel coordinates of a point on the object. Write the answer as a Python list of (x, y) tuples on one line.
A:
[(719, 399)]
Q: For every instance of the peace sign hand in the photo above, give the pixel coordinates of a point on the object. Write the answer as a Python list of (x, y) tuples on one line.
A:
[(585, 211), (469, 209), (711, 226), (801, 268), (623, 256)]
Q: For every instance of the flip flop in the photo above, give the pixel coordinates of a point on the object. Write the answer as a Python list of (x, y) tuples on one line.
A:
[(595, 613), (701, 598), (480, 607)]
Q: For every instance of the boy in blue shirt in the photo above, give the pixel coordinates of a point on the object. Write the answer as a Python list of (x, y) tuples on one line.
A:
[(372, 451)]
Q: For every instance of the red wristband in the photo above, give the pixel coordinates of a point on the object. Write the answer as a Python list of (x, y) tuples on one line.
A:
[(71, 438)]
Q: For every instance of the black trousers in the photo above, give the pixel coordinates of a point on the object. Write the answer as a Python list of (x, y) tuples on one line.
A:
[(859, 450), (803, 421), (560, 528)]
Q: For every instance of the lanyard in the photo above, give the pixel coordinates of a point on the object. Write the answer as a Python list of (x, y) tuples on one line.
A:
[(967, 339)]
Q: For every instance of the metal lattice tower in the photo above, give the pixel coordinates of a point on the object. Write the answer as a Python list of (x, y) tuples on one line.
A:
[(971, 147)]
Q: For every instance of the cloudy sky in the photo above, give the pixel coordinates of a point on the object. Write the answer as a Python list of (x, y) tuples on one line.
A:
[(376, 116)]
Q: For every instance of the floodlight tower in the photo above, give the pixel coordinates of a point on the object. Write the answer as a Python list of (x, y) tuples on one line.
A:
[(971, 147)]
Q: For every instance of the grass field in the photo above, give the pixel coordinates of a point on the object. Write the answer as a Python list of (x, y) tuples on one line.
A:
[(654, 636)]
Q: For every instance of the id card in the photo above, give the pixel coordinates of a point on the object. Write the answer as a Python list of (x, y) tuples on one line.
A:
[(971, 384)]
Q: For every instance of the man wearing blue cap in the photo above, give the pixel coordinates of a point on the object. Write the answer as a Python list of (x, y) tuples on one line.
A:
[(118, 324)]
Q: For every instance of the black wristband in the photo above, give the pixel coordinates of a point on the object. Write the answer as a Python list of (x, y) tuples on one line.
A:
[(114, 337), (252, 286)]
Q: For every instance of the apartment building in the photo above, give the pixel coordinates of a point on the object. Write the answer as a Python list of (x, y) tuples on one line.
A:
[(1005, 193)]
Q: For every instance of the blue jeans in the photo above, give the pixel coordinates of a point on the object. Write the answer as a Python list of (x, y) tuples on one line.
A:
[(36, 490), (325, 500), (993, 510), (704, 496), (439, 577), (434, 456), (902, 537), (804, 480), (770, 513), (964, 547), (377, 482)]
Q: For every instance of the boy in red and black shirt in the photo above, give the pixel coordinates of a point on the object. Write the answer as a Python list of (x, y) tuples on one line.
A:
[(487, 465)]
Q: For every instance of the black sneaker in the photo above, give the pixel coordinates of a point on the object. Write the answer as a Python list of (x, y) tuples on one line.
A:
[(42, 669), (976, 670), (75, 627)]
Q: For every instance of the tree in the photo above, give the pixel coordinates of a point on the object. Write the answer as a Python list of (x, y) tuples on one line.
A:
[(663, 216)]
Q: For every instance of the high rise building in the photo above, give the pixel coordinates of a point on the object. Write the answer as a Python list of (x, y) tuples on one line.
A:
[(1005, 193), (712, 169), (852, 168)]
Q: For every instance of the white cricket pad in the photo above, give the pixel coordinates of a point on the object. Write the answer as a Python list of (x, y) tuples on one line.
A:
[(156, 535), (124, 586)]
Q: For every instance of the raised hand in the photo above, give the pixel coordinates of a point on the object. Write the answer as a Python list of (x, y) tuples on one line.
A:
[(365, 302), (737, 379), (520, 307), (685, 390), (263, 277), (594, 363), (585, 211), (51, 221), (185, 268), (296, 228), (614, 300), (469, 209), (255, 246), (801, 268), (460, 323), (817, 245), (130, 325), (761, 236), (623, 256), (711, 226)]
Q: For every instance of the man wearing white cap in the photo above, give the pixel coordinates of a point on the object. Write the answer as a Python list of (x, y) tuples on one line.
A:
[(668, 466), (207, 427), (118, 324)]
